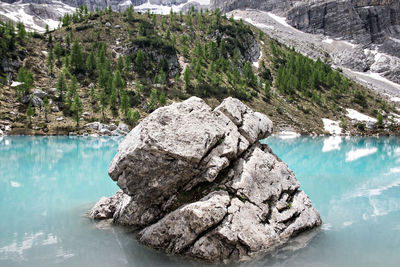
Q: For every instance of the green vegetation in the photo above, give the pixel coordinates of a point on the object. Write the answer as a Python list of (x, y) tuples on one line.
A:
[(124, 72)]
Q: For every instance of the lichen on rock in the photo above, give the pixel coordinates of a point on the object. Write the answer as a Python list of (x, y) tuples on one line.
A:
[(196, 181)]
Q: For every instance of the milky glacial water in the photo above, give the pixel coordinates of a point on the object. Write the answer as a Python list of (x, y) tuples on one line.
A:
[(48, 183)]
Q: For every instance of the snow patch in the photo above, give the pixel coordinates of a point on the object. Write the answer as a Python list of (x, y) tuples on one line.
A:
[(355, 115), (360, 153), (164, 10), (377, 76), (17, 12), (255, 63), (395, 40), (256, 24), (280, 20), (332, 126), (349, 44), (328, 41)]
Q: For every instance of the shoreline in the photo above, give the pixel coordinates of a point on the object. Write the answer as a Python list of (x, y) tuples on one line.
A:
[(281, 135)]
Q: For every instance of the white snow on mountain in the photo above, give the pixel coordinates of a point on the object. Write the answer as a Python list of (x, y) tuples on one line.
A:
[(23, 12)]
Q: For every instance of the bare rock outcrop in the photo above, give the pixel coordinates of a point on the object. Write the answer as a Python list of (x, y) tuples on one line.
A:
[(196, 181)]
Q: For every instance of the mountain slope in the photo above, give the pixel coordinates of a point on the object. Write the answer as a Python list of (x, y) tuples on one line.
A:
[(108, 66)]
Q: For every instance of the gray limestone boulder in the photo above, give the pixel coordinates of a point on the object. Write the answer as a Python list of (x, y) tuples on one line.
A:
[(32, 99), (196, 181), (39, 93)]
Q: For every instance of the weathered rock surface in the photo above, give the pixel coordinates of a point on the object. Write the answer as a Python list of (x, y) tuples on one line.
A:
[(372, 24), (196, 181)]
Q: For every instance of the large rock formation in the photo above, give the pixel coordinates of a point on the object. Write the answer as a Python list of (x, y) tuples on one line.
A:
[(366, 21), (196, 181)]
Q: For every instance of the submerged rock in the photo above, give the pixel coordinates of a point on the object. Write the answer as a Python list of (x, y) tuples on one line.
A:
[(196, 181)]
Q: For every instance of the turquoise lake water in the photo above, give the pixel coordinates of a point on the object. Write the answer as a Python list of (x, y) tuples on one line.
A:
[(48, 183)]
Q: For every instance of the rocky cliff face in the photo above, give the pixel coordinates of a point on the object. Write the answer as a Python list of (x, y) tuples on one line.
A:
[(196, 181), (367, 21), (268, 5), (374, 25)]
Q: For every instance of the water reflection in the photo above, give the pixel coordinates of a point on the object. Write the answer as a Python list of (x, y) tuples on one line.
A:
[(360, 153), (356, 188), (332, 143)]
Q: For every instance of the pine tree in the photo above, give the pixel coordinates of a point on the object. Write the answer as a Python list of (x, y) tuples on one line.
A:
[(58, 52), (129, 13), (153, 100), (142, 30), (133, 117), (114, 102), (90, 63), (140, 57), (249, 75), (267, 90), (26, 77), (29, 113), (21, 32), (61, 85), (68, 41), (127, 64), (125, 103), (103, 102), (186, 77), (162, 99), (50, 40), (162, 77), (46, 107), (118, 83), (120, 64), (77, 60), (92, 94), (50, 61)]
